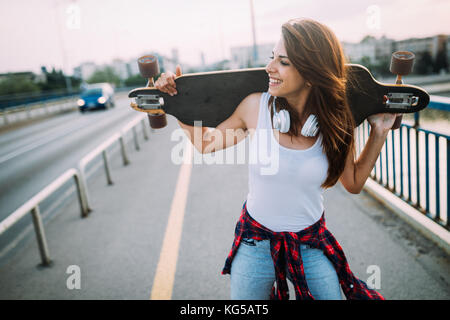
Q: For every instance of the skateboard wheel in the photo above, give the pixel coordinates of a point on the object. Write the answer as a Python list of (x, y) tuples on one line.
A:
[(402, 62), (158, 120), (148, 66)]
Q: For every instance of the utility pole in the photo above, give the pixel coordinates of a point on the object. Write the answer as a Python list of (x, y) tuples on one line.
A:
[(255, 48), (62, 47)]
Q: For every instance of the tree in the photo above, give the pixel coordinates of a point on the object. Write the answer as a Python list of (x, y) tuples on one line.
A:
[(55, 80), (136, 80), (17, 84), (441, 62), (106, 74), (424, 64)]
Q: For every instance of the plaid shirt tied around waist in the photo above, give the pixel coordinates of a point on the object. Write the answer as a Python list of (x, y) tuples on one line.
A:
[(285, 249)]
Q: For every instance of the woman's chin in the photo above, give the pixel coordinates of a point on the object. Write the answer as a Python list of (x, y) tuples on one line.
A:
[(274, 92)]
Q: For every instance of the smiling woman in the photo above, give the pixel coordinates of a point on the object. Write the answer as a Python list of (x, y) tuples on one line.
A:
[(318, 87), (281, 232)]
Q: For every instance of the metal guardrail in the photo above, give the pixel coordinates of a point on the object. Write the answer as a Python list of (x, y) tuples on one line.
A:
[(41, 108), (32, 206), (414, 165), (45, 107), (8, 104), (101, 149), (79, 176)]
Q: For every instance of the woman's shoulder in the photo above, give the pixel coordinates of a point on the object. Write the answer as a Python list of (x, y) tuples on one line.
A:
[(251, 101), (255, 96), (250, 108)]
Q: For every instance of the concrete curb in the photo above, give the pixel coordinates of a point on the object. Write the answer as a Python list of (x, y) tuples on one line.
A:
[(415, 218)]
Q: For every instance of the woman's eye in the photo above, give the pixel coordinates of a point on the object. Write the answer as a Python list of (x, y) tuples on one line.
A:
[(282, 62)]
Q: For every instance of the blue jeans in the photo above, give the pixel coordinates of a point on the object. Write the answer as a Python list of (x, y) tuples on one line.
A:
[(253, 273)]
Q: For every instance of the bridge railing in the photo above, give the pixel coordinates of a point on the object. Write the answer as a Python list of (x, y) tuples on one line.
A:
[(414, 165)]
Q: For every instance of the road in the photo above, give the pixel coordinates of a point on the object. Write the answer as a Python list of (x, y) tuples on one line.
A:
[(33, 156), (130, 242)]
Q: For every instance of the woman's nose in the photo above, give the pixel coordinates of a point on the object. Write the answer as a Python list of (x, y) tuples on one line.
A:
[(269, 67)]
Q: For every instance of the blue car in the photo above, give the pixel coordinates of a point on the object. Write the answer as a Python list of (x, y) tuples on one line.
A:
[(98, 96)]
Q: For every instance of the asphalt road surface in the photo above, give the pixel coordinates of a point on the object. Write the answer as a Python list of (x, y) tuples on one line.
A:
[(170, 226), (32, 156)]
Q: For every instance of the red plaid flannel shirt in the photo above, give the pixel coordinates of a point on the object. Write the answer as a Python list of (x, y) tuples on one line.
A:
[(284, 247)]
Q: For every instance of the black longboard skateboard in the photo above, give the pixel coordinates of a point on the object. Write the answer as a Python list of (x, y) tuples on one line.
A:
[(211, 97)]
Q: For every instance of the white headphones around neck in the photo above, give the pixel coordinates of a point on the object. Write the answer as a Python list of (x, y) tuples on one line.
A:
[(311, 126), (281, 122)]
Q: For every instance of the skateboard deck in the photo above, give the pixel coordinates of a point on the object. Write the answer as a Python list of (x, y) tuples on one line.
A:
[(211, 97)]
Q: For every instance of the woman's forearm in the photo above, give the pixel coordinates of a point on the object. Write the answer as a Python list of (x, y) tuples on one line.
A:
[(195, 134), (366, 161)]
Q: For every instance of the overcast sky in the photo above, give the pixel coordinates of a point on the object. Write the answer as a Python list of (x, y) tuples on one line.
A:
[(65, 33)]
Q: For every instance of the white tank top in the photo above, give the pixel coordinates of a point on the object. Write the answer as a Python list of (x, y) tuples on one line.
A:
[(284, 184)]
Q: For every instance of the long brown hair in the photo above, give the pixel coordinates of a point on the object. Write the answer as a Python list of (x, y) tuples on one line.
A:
[(316, 53)]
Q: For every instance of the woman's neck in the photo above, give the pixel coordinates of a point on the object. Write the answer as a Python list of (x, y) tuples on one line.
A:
[(298, 102)]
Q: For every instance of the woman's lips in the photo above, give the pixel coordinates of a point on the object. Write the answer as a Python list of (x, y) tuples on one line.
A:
[(273, 82)]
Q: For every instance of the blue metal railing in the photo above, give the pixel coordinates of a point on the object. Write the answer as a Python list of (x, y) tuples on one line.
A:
[(440, 103), (414, 164)]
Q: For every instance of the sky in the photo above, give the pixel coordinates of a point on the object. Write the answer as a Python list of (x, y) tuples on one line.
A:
[(65, 33)]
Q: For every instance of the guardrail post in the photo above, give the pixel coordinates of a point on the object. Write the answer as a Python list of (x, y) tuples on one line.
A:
[(448, 178), (144, 129), (126, 161), (107, 171), (416, 120), (135, 138), (417, 168), (82, 192), (40, 235), (438, 192)]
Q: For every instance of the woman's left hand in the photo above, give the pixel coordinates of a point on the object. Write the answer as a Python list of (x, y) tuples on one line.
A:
[(382, 122)]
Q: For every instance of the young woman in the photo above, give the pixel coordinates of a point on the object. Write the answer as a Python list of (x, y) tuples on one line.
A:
[(281, 232)]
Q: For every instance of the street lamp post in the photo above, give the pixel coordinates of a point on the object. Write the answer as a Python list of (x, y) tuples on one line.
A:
[(255, 48)]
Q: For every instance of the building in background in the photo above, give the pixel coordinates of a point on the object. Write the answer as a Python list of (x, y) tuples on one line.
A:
[(370, 49), (447, 49), (132, 67), (120, 68), (85, 70), (374, 51), (432, 45), (242, 57)]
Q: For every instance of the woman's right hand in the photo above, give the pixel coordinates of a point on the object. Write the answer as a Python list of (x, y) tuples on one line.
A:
[(166, 82)]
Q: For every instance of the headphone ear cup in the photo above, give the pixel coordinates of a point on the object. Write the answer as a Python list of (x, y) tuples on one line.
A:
[(281, 120), (285, 121), (311, 126), (276, 121), (316, 128), (275, 117)]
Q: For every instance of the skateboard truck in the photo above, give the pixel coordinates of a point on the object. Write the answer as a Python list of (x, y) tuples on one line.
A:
[(401, 64), (149, 68)]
